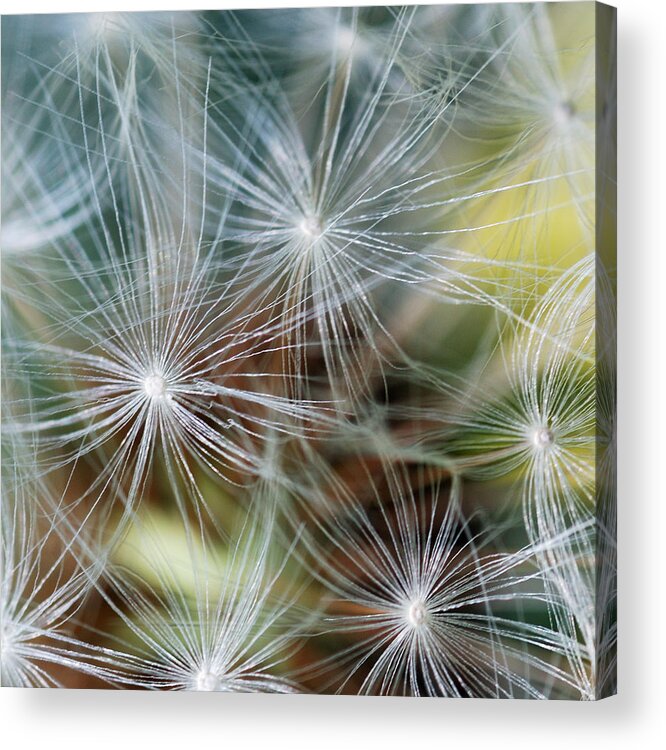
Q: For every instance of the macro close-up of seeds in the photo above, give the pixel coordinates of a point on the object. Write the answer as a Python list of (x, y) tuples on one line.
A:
[(308, 351)]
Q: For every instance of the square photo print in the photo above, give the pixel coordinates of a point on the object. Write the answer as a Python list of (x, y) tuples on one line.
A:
[(308, 351)]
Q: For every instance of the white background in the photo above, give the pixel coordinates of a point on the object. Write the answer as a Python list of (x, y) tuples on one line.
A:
[(162, 721)]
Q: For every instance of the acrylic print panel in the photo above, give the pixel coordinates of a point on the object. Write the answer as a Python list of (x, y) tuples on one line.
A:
[(309, 351)]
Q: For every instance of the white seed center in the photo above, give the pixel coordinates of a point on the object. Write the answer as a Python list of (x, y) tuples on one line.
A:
[(345, 39), (155, 386), (311, 227), (542, 437), (6, 640), (417, 614), (563, 113), (206, 681)]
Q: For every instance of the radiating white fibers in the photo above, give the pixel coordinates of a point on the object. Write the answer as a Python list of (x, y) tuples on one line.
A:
[(307, 356)]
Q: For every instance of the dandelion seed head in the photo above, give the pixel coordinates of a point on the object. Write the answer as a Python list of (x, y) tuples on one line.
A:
[(542, 437), (102, 23), (311, 227), (13, 637), (218, 324), (155, 386), (563, 113), (346, 40), (7, 640), (15, 236), (417, 613), (206, 681)]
